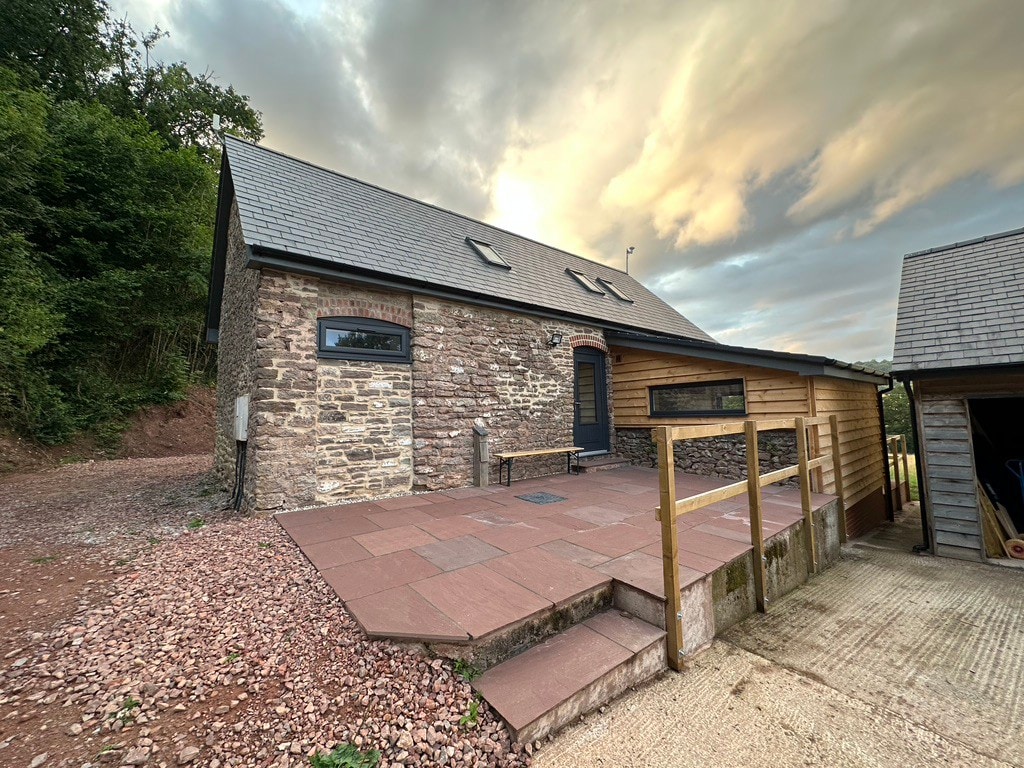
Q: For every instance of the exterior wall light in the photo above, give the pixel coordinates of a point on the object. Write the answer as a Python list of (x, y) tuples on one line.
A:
[(555, 340)]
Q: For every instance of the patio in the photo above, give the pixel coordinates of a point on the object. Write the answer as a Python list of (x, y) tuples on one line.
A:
[(462, 565)]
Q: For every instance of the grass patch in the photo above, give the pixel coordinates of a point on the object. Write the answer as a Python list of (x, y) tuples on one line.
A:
[(471, 718), (127, 712), (265, 545), (44, 560), (195, 523), (915, 494), (466, 670), (346, 756)]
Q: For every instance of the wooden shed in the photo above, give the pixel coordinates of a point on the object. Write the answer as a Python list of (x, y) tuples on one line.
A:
[(657, 382), (960, 350)]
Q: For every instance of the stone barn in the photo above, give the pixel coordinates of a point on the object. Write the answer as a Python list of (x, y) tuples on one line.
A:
[(364, 337)]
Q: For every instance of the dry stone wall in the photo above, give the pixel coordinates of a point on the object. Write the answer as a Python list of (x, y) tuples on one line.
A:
[(724, 457)]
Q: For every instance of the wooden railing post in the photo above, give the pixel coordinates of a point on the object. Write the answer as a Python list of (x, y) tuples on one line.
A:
[(897, 488), (837, 471), (805, 494), (906, 468), (670, 549), (756, 517)]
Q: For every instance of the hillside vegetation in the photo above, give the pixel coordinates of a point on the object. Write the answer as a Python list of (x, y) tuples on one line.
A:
[(108, 163)]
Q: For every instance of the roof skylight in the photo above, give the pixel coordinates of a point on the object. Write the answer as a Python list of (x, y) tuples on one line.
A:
[(586, 282), (614, 290), (488, 254)]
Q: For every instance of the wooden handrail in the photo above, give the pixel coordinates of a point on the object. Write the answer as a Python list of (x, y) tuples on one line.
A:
[(665, 437)]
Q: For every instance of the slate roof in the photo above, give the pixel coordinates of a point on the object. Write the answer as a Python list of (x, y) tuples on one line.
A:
[(962, 305), (299, 209)]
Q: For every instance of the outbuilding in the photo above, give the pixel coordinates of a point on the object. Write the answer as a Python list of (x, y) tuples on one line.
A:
[(960, 351)]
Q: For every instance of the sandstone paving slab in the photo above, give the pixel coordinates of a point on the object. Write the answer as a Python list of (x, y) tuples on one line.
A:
[(390, 540), (614, 540), (480, 600), (539, 679), (547, 575), (366, 577), (452, 554), (404, 614)]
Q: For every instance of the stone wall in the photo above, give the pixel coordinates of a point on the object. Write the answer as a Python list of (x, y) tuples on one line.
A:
[(364, 419), (492, 367), (236, 350), (724, 457), (324, 431)]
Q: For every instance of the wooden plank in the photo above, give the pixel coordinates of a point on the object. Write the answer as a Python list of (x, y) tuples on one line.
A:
[(670, 551), (805, 496), (960, 498), (690, 503), (756, 518), (949, 472), (704, 430), (837, 476), (960, 553), (538, 452), (778, 475), (820, 461), (958, 539)]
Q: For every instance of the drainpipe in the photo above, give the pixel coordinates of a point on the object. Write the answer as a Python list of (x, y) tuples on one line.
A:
[(926, 544), (885, 451)]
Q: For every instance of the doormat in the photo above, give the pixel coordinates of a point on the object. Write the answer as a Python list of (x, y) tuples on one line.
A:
[(541, 498)]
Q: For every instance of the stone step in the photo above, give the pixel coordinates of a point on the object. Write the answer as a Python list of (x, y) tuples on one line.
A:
[(601, 463), (574, 601), (572, 673)]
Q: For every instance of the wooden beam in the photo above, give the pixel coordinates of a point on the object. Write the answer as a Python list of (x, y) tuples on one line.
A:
[(897, 491), (670, 550), (690, 503), (756, 517), (837, 472), (704, 430), (779, 474), (805, 495)]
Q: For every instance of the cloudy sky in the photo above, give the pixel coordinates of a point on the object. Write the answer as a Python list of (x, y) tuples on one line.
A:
[(770, 161)]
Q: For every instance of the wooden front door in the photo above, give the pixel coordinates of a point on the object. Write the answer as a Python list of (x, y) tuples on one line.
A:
[(590, 424)]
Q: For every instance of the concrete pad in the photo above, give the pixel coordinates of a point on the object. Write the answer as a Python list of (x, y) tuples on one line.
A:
[(399, 517), (613, 540), (329, 530), (575, 553), (513, 538), (330, 554)]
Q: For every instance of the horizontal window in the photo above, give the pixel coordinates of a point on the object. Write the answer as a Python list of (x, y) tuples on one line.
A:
[(358, 338), (709, 398)]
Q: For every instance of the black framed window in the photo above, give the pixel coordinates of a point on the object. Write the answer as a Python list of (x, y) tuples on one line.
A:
[(708, 398), (360, 338)]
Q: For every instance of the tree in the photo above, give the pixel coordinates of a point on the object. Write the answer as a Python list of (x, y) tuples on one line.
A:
[(107, 199), (178, 105), (57, 45)]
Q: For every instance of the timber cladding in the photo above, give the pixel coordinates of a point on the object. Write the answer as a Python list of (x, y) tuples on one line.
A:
[(772, 394)]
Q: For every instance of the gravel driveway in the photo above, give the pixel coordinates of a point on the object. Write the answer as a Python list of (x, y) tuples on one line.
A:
[(886, 659), (143, 625)]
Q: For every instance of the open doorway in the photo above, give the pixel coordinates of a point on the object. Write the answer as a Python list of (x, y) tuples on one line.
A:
[(997, 430)]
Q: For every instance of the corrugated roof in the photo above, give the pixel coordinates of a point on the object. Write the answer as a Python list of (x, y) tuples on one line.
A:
[(291, 206), (962, 305)]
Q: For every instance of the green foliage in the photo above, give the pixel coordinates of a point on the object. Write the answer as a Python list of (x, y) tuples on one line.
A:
[(471, 718), (195, 523), (466, 670), (107, 200), (346, 756)]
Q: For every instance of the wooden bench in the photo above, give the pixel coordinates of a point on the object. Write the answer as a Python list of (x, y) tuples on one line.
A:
[(505, 459)]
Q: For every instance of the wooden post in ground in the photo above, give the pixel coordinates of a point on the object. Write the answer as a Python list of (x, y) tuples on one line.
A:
[(906, 468), (897, 488), (756, 516), (805, 494), (837, 470), (670, 548)]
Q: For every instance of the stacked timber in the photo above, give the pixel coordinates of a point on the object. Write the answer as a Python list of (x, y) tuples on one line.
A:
[(1001, 536)]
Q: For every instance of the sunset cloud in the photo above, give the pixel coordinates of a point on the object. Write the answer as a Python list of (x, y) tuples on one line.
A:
[(770, 161)]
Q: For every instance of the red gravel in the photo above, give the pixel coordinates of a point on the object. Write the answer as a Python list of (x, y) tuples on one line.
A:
[(217, 647)]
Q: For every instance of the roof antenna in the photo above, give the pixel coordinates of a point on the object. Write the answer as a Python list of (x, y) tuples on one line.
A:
[(629, 251)]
